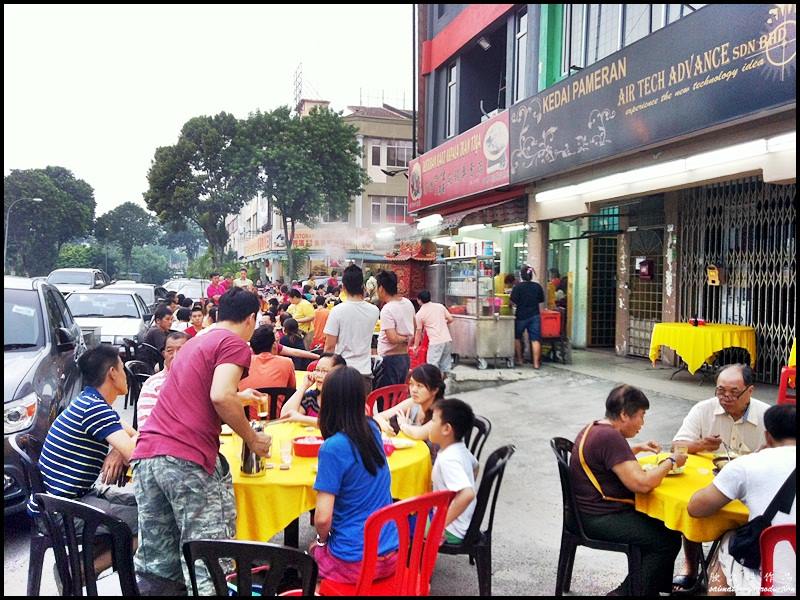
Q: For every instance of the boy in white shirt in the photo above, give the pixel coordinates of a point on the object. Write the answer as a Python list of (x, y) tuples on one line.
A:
[(455, 468)]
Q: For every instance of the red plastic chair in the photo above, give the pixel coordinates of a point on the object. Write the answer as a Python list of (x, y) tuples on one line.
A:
[(416, 557), (770, 538), (389, 395), (787, 390)]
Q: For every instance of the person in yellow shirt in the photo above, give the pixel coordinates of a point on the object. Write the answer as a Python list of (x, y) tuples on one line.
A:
[(303, 312)]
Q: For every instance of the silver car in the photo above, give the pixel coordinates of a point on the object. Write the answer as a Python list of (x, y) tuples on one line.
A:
[(118, 314), (72, 280), (190, 288), (150, 293)]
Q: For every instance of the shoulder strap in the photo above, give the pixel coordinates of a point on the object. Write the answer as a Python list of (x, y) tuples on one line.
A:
[(591, 476), (783, 499)]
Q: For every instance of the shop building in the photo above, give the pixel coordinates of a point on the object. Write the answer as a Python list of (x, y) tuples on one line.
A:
[(651, 143)]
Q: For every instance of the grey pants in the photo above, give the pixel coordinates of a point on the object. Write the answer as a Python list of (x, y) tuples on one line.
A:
[(179, 501)]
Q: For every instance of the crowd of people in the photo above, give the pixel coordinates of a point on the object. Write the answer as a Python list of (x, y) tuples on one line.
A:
[(207, 371), (216, 354)]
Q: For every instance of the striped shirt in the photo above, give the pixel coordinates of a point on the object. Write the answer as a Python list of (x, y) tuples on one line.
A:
[(76, 446), (149, 396)]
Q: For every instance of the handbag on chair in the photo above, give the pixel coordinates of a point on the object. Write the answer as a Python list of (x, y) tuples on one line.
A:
[(744, 545)]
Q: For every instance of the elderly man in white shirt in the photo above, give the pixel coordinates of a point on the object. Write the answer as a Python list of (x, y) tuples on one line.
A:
[(732, 418)]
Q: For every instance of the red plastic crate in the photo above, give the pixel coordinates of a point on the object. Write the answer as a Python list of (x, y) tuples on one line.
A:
[(551, 323)]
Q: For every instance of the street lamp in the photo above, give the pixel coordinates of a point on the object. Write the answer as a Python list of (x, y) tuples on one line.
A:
[(8, 218)]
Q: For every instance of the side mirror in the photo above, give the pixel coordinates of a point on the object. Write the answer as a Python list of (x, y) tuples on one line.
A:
[(146, 317), (64, 340)]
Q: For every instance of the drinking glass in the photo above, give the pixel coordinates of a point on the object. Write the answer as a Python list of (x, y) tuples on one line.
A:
[(286, 452)]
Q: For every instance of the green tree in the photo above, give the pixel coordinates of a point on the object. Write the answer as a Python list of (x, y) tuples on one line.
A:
[(38, 230), (187, 236), (204, 177), (305, 164), (152, 262), (128, 226)]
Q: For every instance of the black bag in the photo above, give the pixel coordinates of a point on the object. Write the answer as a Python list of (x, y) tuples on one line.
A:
[(744, 546)]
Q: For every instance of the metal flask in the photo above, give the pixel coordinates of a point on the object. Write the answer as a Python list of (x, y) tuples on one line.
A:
[(252, 464)]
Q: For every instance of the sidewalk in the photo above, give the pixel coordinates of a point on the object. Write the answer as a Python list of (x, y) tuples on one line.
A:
[(604, 365)]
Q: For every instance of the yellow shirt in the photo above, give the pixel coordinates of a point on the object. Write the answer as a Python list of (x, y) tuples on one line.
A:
[(303, 310)]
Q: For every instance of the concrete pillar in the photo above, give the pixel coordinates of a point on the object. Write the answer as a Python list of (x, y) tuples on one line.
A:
[(623, 291), (538, 238), (669, 311)]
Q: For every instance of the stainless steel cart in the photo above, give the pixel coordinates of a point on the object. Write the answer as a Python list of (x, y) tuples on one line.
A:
[(479, 331)]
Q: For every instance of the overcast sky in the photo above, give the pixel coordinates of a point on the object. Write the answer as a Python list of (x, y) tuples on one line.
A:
[(97, 89)]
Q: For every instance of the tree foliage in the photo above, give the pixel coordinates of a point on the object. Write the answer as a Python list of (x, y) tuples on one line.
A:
[(128, 226), (38, 230), (305, 164), (186, 236), (90, 256), (202, 178)]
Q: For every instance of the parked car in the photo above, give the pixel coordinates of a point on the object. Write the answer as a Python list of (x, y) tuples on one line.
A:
[(41, 344), (190, 288), (150, 293), (72, 280), (118, 313)]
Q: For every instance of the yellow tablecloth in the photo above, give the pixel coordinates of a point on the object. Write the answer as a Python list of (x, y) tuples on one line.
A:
[(266, 504), (669, 500), (793, 354), (300, 377), (696, 345)]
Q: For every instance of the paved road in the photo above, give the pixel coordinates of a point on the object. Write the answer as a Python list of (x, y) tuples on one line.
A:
[(527, 524)]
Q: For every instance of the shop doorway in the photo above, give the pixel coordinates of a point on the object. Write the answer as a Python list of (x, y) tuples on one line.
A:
[(747, 228), (602, 292), (645, 284)]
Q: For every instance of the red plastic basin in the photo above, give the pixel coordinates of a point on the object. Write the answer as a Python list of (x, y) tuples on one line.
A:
[(307, 445)]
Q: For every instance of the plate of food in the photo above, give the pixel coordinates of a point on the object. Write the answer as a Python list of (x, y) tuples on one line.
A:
[(401, 443), (226, 430)]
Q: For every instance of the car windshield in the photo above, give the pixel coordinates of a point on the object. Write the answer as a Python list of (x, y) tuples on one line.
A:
[(22, 320), (71, 277), (102, 305), (148, 294)]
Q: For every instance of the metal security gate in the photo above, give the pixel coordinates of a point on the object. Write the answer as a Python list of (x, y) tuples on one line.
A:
[(602, 291), (748, 228), (645, 298)]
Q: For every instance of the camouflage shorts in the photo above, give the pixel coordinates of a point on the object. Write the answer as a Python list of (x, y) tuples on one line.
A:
[(179, 501)]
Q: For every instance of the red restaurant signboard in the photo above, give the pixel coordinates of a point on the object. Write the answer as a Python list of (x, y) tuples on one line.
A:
[(470, 163)]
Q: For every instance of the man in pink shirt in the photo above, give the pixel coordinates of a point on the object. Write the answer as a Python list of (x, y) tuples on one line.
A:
[(216, 289), (433, 318), (150, 388), (182, 483)]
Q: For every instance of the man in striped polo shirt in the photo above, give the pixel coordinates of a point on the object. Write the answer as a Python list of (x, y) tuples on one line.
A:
[(76, 449)]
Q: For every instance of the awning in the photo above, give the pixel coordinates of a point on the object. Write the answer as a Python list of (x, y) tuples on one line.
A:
[(454, 220)]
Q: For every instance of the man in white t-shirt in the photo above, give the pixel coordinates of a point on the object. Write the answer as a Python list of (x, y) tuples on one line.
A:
[(733, 418), (349, 328), (455, 467), (397, 332), (755, 480)]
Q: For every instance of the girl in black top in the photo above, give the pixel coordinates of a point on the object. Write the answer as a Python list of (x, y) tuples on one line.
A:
[(293, 337)]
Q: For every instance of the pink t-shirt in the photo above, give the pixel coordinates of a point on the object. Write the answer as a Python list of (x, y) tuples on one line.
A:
[(397, 315), (184, 423), (432, 316), (216, 290)]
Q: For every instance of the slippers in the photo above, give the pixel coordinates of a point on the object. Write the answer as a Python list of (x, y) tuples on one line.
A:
[(683, 583)]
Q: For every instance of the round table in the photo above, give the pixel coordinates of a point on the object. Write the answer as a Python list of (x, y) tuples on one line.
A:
[(267, 504), (669, 500)]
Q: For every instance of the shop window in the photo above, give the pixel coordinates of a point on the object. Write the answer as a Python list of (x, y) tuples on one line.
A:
[(398, 153), (520, 54), (396, 209), (451, 99), (593, 31), (376, 210)]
